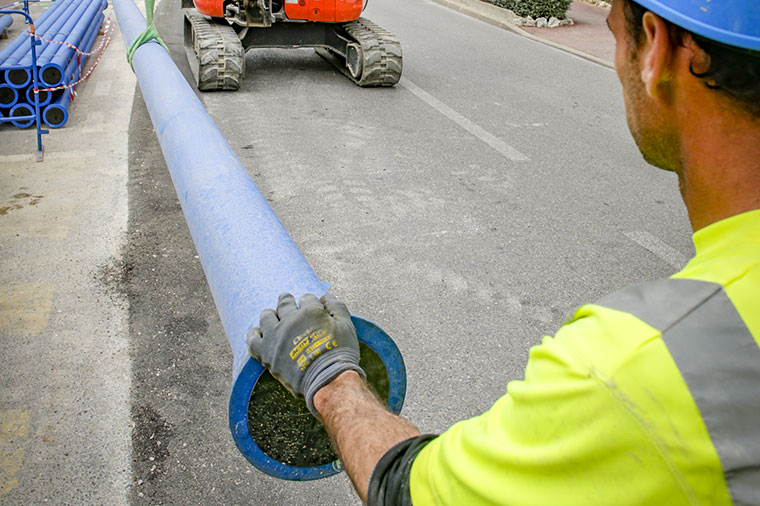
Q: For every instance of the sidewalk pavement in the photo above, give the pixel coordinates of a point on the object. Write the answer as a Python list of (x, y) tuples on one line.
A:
[(588, 38), (589, 33), (64, 408)]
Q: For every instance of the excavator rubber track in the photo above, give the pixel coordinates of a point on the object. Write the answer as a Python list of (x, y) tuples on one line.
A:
[(378, 62), (214, 52)]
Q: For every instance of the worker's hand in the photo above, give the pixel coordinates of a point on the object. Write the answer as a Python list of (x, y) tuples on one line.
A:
[(306, 347)]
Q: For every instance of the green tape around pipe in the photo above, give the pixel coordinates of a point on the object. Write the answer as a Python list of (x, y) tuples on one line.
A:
[(150, 33)]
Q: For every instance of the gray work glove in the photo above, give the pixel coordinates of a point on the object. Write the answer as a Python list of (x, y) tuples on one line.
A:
[(306, 347)]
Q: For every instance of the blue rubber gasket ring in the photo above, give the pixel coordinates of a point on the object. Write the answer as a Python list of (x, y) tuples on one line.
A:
[(240, 395)]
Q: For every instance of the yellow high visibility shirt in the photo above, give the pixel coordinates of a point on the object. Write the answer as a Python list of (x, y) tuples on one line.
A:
[(607, 415)]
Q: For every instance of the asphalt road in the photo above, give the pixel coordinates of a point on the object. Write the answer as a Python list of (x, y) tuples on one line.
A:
[(467, 211)]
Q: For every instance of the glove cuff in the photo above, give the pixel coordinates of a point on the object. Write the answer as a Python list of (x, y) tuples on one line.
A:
[(325, 369)]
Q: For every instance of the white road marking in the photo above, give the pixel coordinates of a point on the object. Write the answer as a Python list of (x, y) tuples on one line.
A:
[(434, 234), (659, 248), (478, 131), (18, 158), (58, 155), (448, 9)]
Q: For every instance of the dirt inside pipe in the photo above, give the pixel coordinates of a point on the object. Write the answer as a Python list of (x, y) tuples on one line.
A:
[(284, 429)]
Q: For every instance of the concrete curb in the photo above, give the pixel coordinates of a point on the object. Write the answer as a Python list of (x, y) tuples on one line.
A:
[(504, 18)]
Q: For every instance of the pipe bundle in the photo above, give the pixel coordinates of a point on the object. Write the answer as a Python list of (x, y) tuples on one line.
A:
[(65, 25)]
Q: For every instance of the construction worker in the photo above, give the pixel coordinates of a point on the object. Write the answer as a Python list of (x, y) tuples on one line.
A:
[(649, 396)]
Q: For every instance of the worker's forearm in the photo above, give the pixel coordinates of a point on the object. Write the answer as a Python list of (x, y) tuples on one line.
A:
[(360, 426)]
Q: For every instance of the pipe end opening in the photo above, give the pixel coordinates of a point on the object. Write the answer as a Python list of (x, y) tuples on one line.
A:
[(43, 95), (51, 76), (54, 116), (8, 96), (279, 436), (284, 429), (21, 110), (18, 77)]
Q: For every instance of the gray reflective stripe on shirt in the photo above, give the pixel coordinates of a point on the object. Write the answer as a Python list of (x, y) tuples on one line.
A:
[(720, 362)]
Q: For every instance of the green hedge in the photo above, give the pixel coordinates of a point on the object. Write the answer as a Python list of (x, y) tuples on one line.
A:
[(536, 8)]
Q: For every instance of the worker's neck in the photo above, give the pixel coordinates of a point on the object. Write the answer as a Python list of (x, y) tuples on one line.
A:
[(721, 166)]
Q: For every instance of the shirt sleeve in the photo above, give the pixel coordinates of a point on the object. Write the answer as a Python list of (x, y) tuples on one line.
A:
[(389, 484)]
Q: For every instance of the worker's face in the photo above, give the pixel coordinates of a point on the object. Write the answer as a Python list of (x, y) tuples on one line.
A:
[(646, 121)]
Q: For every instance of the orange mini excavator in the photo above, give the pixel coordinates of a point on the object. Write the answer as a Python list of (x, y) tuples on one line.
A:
[(219, 32)]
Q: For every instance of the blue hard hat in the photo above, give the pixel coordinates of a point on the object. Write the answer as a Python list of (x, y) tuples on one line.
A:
[(732, 22)]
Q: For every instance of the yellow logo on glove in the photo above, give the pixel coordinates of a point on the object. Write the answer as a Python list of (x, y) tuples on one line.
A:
[(310, 345)]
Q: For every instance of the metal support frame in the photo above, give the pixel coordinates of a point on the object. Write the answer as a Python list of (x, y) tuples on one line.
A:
[(37, 117)]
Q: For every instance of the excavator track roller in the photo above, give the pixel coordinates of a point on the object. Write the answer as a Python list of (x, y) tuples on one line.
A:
[(354, 60)]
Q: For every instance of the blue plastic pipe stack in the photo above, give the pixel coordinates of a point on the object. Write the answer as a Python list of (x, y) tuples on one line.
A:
[(75, 22)]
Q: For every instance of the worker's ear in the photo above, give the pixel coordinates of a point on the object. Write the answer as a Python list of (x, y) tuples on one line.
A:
[(657, 54)]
